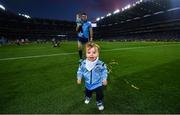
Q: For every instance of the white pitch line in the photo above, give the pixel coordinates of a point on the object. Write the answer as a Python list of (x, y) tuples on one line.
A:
[(60, 54), (140, 47), (28, 57)]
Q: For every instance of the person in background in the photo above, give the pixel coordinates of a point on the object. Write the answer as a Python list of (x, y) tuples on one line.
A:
[(85, 32)]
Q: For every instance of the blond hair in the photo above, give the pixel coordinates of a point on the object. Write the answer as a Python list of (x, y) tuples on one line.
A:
[(90, 45)]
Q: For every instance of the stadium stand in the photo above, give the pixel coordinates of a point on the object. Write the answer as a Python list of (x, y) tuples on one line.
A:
[(148, 20), (145, 20), (14, 26)]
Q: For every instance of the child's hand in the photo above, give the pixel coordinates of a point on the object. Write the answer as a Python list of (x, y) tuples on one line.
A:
[(78, 82), (104, 82)]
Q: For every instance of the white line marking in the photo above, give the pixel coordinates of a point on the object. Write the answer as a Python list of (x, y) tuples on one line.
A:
[(28, 57), (140, 47), (62, 54)]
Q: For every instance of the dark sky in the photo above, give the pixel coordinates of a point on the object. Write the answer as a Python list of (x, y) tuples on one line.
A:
[(64, 9)]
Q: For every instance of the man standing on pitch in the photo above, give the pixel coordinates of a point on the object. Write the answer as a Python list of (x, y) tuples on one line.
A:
[(85, 32)]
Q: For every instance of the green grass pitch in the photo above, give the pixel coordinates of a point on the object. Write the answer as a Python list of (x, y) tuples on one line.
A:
[(144, 77)]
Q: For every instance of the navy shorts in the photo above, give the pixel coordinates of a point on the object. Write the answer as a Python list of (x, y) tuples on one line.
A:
[(83, 40)]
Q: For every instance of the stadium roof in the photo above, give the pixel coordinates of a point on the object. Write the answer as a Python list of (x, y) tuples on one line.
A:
[(142, 8)]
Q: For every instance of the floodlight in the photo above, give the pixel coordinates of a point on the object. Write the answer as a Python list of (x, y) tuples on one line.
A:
[(116, 11), (2, 7), (24, 15), (109, 14), (102, 17), (97, 19)]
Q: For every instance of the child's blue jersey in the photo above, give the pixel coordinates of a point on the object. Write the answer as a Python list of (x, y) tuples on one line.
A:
[(93, 78)]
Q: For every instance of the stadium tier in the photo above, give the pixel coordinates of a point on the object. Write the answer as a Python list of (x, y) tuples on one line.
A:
[(150, 19), (13, 26)]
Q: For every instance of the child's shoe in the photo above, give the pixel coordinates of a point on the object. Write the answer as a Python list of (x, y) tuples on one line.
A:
[(87, 100), (100, 105)]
